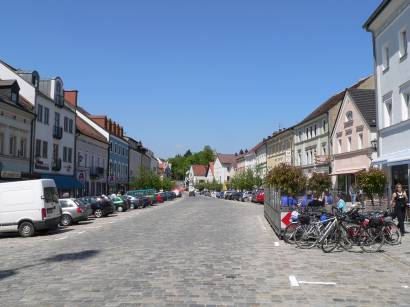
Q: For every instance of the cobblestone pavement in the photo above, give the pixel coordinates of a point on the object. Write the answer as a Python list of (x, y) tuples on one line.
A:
[(193, 252)]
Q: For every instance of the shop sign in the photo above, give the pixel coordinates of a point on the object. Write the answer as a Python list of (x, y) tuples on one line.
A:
[(9, 174)]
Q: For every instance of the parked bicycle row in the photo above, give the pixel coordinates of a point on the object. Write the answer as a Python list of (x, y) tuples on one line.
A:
[(32, 206), (369, 231)]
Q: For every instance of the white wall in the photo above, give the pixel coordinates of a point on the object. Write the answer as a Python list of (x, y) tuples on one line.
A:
[(26, 89)]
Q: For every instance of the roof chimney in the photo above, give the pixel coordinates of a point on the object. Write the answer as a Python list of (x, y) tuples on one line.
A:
[(71, 97)]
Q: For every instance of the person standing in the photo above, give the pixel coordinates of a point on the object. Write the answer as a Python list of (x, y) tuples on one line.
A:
[(399, 204)]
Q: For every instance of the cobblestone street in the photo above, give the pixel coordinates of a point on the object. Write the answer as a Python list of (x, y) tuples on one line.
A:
[(193, 252)]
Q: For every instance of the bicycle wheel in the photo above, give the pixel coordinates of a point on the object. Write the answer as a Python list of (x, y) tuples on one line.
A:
[(331, 241), (289, 232), (392, 234), (306, 236), (372, 240), (346, 241)]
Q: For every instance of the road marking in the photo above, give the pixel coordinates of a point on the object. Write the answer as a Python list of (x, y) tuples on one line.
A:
[(317, 283), (62, 238), (276, 243), (94, 226), (293, 281), (405, 286)]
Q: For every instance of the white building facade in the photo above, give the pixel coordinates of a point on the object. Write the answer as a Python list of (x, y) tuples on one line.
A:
[(224, 168), (390, 28)]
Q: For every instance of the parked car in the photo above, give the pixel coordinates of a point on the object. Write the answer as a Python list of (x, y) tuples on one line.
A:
[(236, 196), (246, 196), (160, 200), (260, 197), (227, 194), (219, 194), (73, 211), (134, 202), (29, 206), (119, 204), (100, 206), (170, 195), (146, 201), (178, 192)]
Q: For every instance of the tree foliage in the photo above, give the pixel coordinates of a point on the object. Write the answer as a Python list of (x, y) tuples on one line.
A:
[(319, 182), (372, 182), (150, 180), (247, 180), (211, 186), (287, 178), (181, 164)]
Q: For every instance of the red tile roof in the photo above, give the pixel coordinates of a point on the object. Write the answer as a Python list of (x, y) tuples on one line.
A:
[(199, 170), (88, 130), (227, 159)]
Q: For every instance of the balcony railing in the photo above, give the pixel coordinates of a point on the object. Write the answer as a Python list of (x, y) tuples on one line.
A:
[(56, 165), (58, 132), (59, 101)]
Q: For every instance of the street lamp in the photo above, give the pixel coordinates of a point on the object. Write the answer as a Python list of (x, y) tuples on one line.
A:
[(374, 144)]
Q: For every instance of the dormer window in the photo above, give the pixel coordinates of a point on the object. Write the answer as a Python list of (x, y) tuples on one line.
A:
[(14, 97), (35, 79), (349, 116), (59, 96)]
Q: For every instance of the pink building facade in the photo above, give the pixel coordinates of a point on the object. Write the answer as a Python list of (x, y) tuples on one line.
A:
[(351, 139)]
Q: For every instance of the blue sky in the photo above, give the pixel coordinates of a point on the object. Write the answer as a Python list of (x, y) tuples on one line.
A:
[(182, 74)]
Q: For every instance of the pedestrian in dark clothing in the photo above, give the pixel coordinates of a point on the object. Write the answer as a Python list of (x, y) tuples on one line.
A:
[(399, 205)]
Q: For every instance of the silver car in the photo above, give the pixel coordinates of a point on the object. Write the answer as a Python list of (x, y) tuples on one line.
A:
[(73, 211)]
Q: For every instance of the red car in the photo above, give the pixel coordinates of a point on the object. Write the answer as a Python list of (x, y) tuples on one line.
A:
[(159, 198), (260, 197)]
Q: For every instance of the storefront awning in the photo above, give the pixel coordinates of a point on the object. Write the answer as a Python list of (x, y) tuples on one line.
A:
[(64, 182), (347, 171), (398, 157)]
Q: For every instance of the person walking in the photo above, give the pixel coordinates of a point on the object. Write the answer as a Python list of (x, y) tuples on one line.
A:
[(399, 203)]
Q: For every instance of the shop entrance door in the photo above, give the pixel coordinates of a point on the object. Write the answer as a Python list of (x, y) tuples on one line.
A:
[(400, 174)]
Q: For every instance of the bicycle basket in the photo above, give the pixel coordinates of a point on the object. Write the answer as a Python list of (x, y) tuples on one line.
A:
[(304, 219)]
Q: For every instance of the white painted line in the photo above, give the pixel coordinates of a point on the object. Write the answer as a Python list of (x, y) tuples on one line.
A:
[(276, 243), (62, 238), (317, 283), (405, 286), (94, 226), (293, 281)]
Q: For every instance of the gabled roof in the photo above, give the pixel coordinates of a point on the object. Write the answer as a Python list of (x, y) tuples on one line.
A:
[(229, 159), (376, 13), (199, 170), (331, 102), (87, 130), (365, 100)]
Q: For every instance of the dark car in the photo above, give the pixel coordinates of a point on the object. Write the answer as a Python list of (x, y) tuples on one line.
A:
[(146, 201), (164, 196), (100, 206), (228, 194), (134, 202), (236, 196), (170, 195)]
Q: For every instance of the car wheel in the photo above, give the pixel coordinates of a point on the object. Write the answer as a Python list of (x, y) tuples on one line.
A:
[(66, 220), (98, 213), (26, 229), (120, 209)]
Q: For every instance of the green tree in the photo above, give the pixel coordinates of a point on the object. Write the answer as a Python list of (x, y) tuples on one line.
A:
[(319, 183), (372, 182), (289, 179)]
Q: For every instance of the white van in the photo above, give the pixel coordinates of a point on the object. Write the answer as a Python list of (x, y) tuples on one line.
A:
[(29, 206)]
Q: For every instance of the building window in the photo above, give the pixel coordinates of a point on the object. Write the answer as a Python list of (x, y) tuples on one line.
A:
[(46, 115), (70, 126), (57, 119), (339, 146), (388, 120), (386, 58), (360, 141), (406, 106), (300, 157), (45, 150), (349, 144), (38, 149), (23, 148), (324, 150), (55, 152), (40, 113), (403, 44), (70, 155), (65, 124), (85, 160), (315, 130), (349, 116), (1, 143), (14, 97), (65, 154), (12, 146)]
